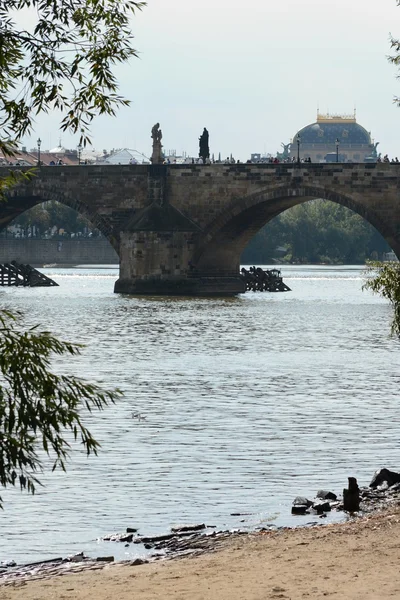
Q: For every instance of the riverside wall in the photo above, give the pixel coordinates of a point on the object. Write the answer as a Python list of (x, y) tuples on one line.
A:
[(39, 252)]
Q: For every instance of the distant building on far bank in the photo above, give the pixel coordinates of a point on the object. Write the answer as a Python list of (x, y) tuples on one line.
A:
[(331, 133), (29, 158), (122, 156), (330, 137)]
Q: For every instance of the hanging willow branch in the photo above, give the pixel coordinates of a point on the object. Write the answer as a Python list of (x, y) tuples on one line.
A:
[(39, 409), (65, 62), (384, 279)]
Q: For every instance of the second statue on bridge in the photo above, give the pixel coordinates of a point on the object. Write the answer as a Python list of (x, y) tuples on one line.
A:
[(157, 154)]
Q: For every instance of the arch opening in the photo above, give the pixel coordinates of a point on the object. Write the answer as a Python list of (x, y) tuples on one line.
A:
[(18, 202), (229, 235), (51, 232), (316, 232)]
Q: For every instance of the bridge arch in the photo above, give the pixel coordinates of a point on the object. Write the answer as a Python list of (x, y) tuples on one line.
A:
[(226, 237), (21, 199)]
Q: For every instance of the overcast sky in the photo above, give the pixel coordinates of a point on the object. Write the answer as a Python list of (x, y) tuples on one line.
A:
[(252, 72)]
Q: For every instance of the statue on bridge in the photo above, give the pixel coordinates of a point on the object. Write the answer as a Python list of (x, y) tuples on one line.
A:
[(374, 151), (157, 154), (204, 149), (285, 155)]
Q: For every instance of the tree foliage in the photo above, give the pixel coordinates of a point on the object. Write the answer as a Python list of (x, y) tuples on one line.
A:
[(384, 279), (318, 231), (53, 214), (64, 61), (395, 58), (38, 407)]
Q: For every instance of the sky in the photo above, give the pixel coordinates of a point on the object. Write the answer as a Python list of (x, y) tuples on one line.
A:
[(252, 72)]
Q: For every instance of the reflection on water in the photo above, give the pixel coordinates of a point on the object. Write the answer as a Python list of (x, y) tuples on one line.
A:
[(247, 402)]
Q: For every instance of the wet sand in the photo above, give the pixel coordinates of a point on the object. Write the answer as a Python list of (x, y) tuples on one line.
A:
[(357, 560)]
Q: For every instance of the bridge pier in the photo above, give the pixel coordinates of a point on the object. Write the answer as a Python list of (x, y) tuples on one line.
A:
[(160, 263), (157, 246), (193, 286)]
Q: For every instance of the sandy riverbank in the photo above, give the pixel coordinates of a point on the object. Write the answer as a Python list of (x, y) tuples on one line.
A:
[(358, 560)]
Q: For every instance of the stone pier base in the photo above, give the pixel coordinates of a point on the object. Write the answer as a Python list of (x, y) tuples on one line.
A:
[(193, 286)]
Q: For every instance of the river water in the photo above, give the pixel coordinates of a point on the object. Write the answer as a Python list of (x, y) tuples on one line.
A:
[(231, 406)]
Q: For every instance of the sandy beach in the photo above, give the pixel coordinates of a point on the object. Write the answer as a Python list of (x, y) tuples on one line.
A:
[(357, 560)]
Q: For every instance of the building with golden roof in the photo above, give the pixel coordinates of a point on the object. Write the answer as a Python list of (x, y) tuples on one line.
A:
[(332, 134)]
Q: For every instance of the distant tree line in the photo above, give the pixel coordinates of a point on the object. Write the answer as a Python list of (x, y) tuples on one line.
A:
[(48, 215), (318, 231)]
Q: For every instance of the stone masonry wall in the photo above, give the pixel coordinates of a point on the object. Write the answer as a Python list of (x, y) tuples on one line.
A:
[(205, 192), (226, 200), (107, 195), (66, 252), (111, 195)]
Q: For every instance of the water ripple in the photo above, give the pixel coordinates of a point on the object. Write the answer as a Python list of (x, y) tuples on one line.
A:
[(244, 403)]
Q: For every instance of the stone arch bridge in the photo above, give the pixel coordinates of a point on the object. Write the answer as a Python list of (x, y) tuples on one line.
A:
[(180, 229)]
